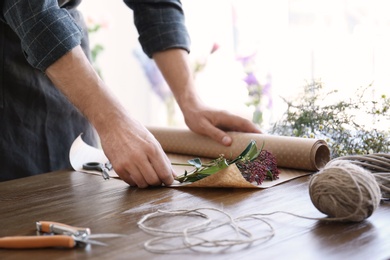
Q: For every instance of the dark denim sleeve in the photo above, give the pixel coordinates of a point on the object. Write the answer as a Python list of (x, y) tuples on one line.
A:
[(160, 24), (46, 31)]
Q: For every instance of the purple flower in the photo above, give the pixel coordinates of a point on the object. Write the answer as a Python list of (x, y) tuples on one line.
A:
[(261, 168), (153, 74), (251, 79), (266, 91), (245, 60)]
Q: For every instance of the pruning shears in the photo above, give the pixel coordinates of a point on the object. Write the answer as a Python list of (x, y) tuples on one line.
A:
[(54, 234), (104, 168)]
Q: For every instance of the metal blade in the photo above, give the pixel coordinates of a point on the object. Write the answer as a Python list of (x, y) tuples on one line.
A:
[(89, 241), (105, 235)]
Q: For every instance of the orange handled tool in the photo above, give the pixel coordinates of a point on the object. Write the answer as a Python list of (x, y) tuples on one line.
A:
[(62, 229), (19, 242), (57, 235)]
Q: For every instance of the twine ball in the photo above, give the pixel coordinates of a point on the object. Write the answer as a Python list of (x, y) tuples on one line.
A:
[(344, 191)]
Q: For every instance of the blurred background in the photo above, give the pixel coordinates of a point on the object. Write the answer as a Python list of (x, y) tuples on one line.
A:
[(248, 55)]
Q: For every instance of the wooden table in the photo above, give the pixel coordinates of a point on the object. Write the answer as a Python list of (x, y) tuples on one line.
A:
[(113, 207)]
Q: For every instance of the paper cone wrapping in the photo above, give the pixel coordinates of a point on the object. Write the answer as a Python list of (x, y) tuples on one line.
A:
[(229, 177)]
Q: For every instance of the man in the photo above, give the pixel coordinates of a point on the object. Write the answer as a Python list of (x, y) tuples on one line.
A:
[(49, 91)]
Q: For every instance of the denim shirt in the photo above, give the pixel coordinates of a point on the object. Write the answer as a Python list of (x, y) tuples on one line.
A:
[(47, 31), (38, 123)]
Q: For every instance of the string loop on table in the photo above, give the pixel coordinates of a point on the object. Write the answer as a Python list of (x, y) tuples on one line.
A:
[(190, 236)]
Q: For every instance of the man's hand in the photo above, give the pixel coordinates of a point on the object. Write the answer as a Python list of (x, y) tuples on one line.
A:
[(135, 154), (201, 119), (137, 157), (213, 123)]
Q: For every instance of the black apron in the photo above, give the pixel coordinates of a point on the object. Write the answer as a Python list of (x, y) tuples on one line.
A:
[(37, 123)]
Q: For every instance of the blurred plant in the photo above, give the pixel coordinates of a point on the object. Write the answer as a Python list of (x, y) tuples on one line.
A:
[(158, 83), (94, 26), (338, 123), (200, 64), (257, 92)]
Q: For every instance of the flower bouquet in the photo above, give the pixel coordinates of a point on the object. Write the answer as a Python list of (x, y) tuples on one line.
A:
[(255, 165)]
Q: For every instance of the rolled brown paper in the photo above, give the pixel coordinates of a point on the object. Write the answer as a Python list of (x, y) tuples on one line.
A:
[(290, 152)]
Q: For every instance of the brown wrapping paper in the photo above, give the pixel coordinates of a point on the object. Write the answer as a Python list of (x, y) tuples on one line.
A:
[(295, 157), (290, 152)]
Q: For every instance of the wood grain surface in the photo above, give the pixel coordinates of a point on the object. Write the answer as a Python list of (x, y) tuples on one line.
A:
[(112, 206)]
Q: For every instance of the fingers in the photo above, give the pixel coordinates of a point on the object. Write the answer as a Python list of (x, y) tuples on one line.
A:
[(136, 177), (139, 160), (218, 135), (144, 171), (126, 178), (146, 177), (231, 122), (215, 123)]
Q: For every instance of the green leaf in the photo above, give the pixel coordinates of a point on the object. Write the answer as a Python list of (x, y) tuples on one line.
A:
[(215, 168), (196, 162), (253, 152), (269, 175), (249, 153), (255, 155)]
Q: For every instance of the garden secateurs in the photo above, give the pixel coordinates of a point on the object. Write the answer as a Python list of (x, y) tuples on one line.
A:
[(54, 234)]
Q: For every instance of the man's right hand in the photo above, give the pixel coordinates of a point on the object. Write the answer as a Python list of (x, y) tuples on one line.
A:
[(136, 156), (134, 153)]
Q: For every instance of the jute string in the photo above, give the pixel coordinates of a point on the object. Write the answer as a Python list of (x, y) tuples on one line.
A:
[(383, 179), (378, 164), (341, 190)]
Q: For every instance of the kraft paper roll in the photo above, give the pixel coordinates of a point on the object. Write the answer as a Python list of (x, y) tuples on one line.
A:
[(296, 157), (290, 152)]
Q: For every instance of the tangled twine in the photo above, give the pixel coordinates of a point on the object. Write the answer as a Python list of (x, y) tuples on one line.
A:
[(379, 166), (191, 236), (341, 190)]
